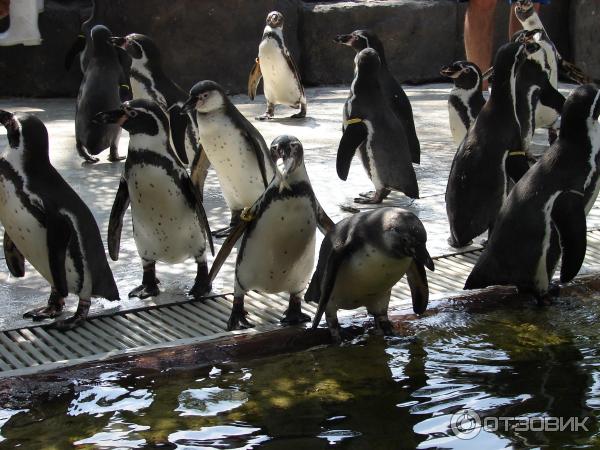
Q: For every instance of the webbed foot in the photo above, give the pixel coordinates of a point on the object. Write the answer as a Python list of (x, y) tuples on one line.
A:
[(145, 291)]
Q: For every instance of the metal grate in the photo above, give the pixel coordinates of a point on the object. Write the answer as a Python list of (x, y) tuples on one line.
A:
[(36, 349)]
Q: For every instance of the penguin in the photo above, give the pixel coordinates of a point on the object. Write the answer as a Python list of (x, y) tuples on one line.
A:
[(83, 43), (149, 81), (169, 221), (545, 214), (48, 224), (393, 92), (282, 83), (466, 97), (105, 84), (362, 259), (494, 150), (233, 146), (277, 248), (370, 125)]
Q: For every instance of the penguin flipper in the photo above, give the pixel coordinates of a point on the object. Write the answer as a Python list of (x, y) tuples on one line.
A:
[(254, 79), (115, 223), (324, 222), (59, 232), (568, 215), (178, 124), (260, 150), (419, 289), (226, 248), (195, 198), (551, 98), (125, 93), (14, 258), (354, 135), (328, 279), (76, 48), (573, 72)]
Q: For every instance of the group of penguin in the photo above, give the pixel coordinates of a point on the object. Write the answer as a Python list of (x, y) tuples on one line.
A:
[(175, 137)]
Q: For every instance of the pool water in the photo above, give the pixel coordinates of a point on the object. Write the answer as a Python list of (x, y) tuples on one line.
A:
[(518, 360)]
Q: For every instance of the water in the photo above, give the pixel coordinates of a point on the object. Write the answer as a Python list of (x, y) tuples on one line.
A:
[(374, 393)]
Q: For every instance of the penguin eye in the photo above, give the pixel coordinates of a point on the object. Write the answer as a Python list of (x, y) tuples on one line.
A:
[(131, 113)]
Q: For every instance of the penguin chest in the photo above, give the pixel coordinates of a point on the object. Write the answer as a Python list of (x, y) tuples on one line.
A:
[(457, 126), (459, 114), (234, 161), (366, 279), (165, 226), (542, 276), (144, 87), (368, 155), (280, 83), (278, 253)]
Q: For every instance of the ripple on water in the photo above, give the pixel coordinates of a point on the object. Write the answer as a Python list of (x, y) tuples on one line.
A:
[(209, 401)]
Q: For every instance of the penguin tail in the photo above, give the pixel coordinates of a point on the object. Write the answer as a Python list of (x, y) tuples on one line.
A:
[(107, 289)]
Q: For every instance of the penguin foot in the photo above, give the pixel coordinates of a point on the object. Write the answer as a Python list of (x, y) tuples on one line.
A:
[(145, 291), (199, 291), (45, 312), (90, 160), (367, 194), (113, 158), (298, 115), (383, 327), (223, 232), (368, 200), (68, 324), (238, 321), (265, 116), (454, 243), (294, 317)]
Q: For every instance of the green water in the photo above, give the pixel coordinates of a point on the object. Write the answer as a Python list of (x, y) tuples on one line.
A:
[(370, 394)]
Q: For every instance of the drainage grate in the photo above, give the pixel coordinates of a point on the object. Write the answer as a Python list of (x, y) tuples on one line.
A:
[(36, 349)]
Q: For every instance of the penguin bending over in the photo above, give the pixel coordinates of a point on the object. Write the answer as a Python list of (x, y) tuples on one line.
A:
[(362, 259), (47, 223), (282, 84), (169, 221), (466, 98), (545, 213), (105, 84), (392, 90), (149, 81), (495, 147), (278, 243), (233, 146), (372, 127)]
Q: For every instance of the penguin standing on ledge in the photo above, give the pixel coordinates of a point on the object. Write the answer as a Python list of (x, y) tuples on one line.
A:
[(545, 213), (372, 127), (393, 92), (47, 223), (169, 222), (275, 65), (466, 98), (362, 259), (234, 147)]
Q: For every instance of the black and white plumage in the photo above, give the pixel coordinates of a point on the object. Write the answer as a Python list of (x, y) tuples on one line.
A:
[(233, 146), (362, 259), (104, 86), (465, 99), (372, 127), (275, 65), (495, 148), (392, 90), (545, 213), (278, 242), (48, 224), (169, 222)]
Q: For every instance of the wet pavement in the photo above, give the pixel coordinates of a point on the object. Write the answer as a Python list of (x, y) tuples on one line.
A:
[(320, 133)]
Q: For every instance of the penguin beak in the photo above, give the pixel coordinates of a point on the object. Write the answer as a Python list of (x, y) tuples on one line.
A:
[(488, 74), (117, 116), (343, 39), (450, 71), (422, 257), (189, 106), (118, 41)]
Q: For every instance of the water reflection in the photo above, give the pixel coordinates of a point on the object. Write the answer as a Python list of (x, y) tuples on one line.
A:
[(373, 393)]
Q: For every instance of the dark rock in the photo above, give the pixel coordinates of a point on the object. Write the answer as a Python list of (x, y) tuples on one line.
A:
[(585, 38), (418, 37)]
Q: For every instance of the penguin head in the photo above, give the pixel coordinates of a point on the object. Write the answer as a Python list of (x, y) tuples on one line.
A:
[(140, 47), (525, 36), (139, 116), (580, 113), (287, 154), (101, 37), (524, 10), (464, 74), (275, 19), (26, 133), (361, 39), (205, 97), (367, 61), (404, 235)]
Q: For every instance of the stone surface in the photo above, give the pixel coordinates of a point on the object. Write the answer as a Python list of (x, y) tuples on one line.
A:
[(585, 36)]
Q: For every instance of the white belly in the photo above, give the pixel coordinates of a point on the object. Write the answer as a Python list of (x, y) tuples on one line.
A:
[(279, 255), (280, 84), (165, 228), (141, 90), (235, 163), (457, 127), (366, 279)]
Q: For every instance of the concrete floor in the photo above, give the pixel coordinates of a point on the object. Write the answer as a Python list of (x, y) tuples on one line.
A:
[(320, 133)]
